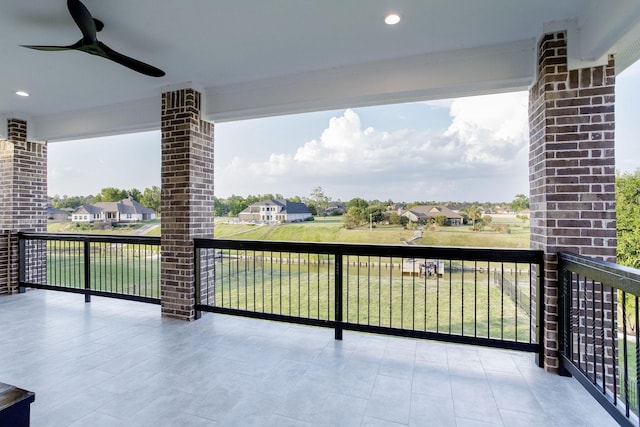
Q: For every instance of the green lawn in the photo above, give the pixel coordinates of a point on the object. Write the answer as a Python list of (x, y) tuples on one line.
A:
[(75, 228), (118, 268), (466, 304), (466, 237), (330, 229)]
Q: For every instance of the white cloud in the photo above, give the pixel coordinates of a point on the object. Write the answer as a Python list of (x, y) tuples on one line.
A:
[(490, 128), (487, 137)]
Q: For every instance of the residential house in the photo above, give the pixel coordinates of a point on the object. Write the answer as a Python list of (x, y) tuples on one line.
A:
[(423, 214), (336, 208), (57, 215), (87, 213), (275, 211), (126, 210)]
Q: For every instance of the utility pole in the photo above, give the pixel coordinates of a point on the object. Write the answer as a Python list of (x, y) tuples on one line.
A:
[(370, 222)]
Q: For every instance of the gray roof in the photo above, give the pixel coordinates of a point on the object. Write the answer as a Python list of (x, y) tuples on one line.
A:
[(124, 206), (52, 210), (429, 211), (286, 205), (296, 208), (88, 209)]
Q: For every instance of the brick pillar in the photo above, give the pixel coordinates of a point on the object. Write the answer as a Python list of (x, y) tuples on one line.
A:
[(187, 197), (571, 171), (23, 197)]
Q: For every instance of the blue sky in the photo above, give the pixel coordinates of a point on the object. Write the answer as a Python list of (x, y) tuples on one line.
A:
[(466, 149)]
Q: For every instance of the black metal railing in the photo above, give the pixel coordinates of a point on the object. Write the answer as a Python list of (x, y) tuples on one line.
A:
[(599, 341), (125, 267), (450, 294)]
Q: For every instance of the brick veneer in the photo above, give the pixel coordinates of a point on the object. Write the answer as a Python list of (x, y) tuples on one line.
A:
[(571, 169), (23, 197), (187, 197)]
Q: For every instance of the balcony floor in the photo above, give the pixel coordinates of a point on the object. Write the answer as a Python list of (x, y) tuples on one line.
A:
[(112, 363)]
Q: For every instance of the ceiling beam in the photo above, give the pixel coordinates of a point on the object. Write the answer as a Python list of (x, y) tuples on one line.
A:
[(135, 116), (497, 68)]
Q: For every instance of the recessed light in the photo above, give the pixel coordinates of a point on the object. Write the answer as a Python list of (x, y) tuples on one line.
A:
[(392, 19), (22, 93)]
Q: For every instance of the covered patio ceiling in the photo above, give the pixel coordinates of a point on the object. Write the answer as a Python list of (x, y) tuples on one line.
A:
[(256, 58)]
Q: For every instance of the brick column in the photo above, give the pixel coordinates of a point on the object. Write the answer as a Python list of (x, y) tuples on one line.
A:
[(571, 171), (23, 197), (187, 197)]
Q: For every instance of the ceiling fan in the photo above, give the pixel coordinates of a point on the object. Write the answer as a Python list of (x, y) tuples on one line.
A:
[(89, 42)]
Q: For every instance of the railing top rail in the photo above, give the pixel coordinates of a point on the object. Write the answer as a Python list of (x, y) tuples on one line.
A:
[(101, 238), (618, 276), (467, 254)]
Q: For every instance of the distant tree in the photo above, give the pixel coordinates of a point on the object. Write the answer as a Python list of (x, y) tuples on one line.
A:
[(251, 199), (350, 221), (486, 220), (73, 202), (312, 207), (357, 203), (237, 204), (321, 200), (394, 218), (441, 220), (135, 194), (628, 231), (356, 216), (628, 218), (220, 207), (110, 194), (295, 199), (151, 198), (475, 214), (375, 213), (519, 203)]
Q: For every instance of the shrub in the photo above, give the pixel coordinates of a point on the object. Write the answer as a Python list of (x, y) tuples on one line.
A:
[(502, 228)]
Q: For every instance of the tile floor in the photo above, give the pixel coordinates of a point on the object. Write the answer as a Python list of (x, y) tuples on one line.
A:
[(117, 363)]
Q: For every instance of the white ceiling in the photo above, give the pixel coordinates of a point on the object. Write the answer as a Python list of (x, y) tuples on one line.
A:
[(253, 58)]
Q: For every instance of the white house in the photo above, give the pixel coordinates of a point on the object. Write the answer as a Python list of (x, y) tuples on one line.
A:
[(126, 210), (275, 211)]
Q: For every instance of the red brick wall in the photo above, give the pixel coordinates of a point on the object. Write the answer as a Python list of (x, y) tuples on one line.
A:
[(187, 197), (23, 197), (571, 168)]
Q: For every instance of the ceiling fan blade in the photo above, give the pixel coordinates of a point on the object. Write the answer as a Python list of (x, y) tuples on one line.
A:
[(89, 43), (74, 46), (131, 63), (84, 20)]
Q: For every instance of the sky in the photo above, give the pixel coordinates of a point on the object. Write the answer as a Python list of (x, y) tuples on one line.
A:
[(465, 149)]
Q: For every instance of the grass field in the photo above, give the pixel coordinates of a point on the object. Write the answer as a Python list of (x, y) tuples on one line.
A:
[(468, 303), (73, 228), (128, 274), (132, 269), (330, 229)]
